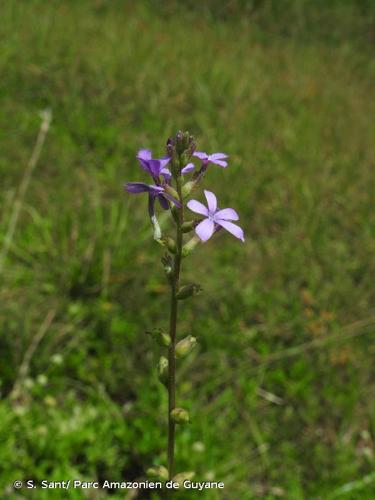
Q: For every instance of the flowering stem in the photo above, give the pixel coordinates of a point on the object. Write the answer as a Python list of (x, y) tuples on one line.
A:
[(172, 191), (175, 283), (172, 194)]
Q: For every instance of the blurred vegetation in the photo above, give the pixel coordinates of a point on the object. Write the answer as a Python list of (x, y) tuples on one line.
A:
[(281, 387)]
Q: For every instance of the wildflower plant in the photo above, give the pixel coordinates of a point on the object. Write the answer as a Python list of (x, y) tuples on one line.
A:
[(172, 189)]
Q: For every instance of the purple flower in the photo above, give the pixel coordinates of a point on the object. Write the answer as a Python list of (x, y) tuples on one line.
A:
[(189, 167), (154, 167), (214, 218), (153, 193), (217, 158)]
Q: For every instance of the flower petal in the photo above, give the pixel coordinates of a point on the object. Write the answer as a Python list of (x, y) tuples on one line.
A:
[(166, 174), (151, 205), (154, 167), (164, 161), (233, 229), (218, 156), (201, 155), (205, 229), (226, 214), (197, 207), (221, 163), (155, 189), (189, 167), (136, 187), (211, 201), (144, 154), (173, 200), (163, 202), (144, 165)]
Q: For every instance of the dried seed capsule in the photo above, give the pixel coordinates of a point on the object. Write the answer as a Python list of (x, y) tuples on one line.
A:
[(169, 243), (167, 262), (183, 476), (158, 472), (163, 370), (180, 416), (188, 291), (185, 346), (161, 337)]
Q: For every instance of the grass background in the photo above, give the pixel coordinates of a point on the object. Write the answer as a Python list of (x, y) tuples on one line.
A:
[(285, 88)]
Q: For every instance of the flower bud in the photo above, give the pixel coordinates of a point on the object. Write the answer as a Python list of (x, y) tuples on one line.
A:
[(171, 244), (183, 476), (188, 226), (163, 370), (190, 245), (187, 188), (168, 242), (160, 336), (185, 346), (175, 214), (180, 142), (158, 472), (166, 260), (169, 189), (180, 416), (184, 143), (188, 291), (170, 147), (192, 145)]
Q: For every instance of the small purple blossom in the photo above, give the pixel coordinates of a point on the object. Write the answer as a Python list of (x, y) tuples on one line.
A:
[(216, 158), (154, 167), (153, 193), (214, 218), (189, 168)]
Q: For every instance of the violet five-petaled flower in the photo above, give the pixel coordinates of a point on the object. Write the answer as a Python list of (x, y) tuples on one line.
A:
[(157, 169), (216, 158), (214, 218), (154, 167)]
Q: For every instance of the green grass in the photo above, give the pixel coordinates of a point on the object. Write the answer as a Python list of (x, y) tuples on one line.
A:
[(293, 109)]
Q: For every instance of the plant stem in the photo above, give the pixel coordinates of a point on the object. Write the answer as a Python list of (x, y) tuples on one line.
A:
[(173, 327)]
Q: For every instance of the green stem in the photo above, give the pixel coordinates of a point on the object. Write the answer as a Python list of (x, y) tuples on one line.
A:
[(173, 327)]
